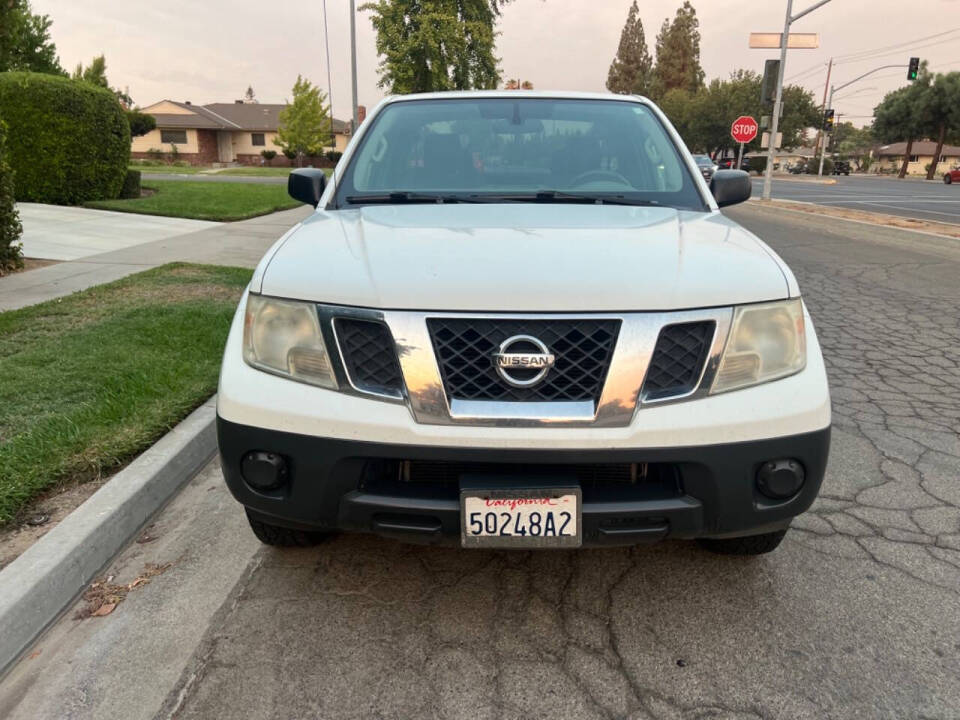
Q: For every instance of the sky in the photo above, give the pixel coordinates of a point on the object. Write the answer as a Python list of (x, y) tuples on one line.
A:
[(211, 50)]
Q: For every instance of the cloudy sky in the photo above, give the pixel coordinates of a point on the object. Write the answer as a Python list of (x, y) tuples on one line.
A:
[(211, 50)]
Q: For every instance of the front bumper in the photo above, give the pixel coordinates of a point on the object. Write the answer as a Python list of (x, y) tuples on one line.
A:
[(692, 491)]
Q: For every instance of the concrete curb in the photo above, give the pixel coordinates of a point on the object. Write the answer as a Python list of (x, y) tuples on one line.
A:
[(37, 586)]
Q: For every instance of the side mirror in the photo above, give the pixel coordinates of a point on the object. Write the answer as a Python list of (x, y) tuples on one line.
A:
[(730, 187), (306, 185)]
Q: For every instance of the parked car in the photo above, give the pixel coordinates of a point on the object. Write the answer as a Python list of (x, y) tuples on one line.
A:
[(841, 167), (730, 163), (521, 322), (952, 176), (706, 166)]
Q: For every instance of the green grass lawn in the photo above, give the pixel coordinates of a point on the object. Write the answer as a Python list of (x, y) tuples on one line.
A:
[(94, 378), (204, 200)]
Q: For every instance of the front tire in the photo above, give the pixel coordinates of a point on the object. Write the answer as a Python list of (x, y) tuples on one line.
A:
[(748, 545), (947, 179), (285, 537)]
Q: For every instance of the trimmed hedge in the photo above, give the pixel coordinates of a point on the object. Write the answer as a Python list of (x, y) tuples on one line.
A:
[(69, 140), (131, 185), (11, 256)]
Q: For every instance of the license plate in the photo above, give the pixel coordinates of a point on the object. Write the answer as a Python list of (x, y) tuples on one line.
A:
[(504, 518)]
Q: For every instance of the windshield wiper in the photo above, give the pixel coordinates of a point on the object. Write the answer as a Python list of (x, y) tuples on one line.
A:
[(550, 196), (398, 198)]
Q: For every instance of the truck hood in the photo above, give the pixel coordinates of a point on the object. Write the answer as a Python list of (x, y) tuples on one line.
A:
[(522, 258)]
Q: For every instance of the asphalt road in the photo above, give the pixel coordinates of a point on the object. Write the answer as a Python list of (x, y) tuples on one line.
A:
[(907, 198), (857, 615)]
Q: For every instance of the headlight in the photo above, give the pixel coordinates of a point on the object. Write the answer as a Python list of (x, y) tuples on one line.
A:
[(766, 342), (283, 337)]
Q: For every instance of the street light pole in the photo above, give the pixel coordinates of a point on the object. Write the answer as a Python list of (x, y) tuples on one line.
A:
[(841, 87), (775, 120), (353, 63)]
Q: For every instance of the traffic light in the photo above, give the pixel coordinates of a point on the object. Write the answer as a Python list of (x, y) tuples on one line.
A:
[(914, 69), (828, 120)]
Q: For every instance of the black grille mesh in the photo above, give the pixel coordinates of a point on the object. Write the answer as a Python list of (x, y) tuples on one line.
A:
[(370, 355), (465, 347), (678, 359)]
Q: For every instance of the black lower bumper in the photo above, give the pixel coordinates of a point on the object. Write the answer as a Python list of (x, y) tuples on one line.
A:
[(684, 492)]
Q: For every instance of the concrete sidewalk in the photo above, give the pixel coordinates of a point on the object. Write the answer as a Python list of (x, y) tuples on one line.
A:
[(239, 243), (57, 232)]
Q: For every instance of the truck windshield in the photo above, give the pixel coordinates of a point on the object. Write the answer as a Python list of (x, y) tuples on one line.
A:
[(523, 150)]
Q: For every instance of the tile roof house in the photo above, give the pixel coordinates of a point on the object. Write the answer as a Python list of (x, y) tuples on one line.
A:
[(219, 132)]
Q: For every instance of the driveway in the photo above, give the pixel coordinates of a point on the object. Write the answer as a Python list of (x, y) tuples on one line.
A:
[(55, 232), (857, 615)]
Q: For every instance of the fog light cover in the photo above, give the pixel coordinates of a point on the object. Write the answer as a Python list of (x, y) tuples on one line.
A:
[(263, 470), (780, 479)]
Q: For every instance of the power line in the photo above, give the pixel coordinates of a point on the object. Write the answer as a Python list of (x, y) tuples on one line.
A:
[(850, 56), (910, 48)]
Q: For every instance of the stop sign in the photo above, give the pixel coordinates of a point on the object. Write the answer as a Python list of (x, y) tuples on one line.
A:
[(744, 129)]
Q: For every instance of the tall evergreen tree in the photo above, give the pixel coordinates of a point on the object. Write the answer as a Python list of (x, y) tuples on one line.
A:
[(431, 45), (678, 53), (25, 42), (95, 73), (630, 71)]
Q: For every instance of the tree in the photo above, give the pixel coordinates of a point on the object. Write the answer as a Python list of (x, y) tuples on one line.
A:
[(631, 70), (433, 45), (140, 123), (678, 53), (304, 123), (25, 42), (703, 118), (249, 96), (897, 119), (95, 73), (941, 109)]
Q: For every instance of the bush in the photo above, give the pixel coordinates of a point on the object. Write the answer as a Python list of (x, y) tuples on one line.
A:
[(180, 163), (155, 154), (11, 255), (333, 155), (140, 123), (758, 164), (70, 141), (268, 155), (131, 185)]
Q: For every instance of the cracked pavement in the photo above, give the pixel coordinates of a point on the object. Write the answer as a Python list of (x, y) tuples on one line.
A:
[(857, 615)]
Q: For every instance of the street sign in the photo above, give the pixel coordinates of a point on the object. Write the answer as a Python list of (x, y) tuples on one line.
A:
[(744, 129), (765, 139), (795, 41)]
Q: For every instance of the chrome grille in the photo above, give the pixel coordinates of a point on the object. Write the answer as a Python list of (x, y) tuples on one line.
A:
[(369, 355), (678, 359), (465, 347)]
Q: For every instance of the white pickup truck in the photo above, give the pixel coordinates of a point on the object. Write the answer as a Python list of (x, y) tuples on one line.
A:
[(515, 320)]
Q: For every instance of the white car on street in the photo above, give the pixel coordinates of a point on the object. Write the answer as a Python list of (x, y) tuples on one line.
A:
[(515, 320)]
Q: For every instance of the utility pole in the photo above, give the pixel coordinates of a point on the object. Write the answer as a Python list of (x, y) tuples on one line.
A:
[(775, 120), (823, 106), (353, 63)]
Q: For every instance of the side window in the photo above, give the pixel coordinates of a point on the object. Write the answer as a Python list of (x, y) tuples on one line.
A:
[(257, 139), (173, 137)]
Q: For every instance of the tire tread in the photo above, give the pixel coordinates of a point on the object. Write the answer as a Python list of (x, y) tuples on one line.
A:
[(284, 537)]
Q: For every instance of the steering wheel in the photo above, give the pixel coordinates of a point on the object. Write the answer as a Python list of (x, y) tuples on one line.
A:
[(591, 175)]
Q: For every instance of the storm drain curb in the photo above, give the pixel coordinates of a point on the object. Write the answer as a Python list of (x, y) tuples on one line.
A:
[(37, 586)]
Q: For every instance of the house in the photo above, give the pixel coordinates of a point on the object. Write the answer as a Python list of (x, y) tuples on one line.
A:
[(890, 157), (220, 132)]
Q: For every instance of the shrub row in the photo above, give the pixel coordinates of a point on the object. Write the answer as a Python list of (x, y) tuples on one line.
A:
[(69, 140), (10, 228)]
